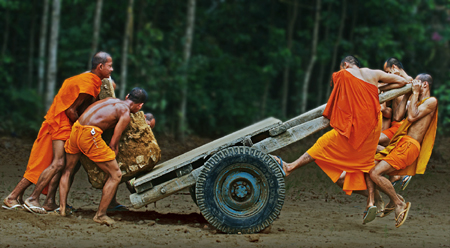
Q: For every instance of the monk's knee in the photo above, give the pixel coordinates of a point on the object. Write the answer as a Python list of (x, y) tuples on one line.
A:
[(116, 176), (58, 165), (374, 174)]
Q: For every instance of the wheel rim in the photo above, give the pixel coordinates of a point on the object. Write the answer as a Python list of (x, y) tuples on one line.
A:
[(242, 190)]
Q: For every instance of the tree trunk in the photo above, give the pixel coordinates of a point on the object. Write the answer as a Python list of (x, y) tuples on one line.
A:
[(182, 125), (53, 53), (31, 46), (322, 67), (336, 44), (285, 88), (96, 31), (126, 41), (313, 58), (42, 45)]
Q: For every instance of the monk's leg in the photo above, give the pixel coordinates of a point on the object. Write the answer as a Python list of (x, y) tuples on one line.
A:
[(47, 175), (66, 180), (109, 190), (301, 161), (15, 196), (377, 175), (50, 200)]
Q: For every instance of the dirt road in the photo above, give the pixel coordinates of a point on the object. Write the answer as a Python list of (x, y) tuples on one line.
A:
[(316, 212)]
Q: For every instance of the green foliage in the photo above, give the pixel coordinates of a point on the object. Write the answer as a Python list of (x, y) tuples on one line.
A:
[(238, 57)]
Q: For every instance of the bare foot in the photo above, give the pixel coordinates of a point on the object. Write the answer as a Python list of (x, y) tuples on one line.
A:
[(379, 203), (33, 206), (11, 204), (285, 165), (104, 220), (50, 206), (401, 213)]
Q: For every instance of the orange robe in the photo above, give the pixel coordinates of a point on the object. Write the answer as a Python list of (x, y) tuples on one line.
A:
[(419, 165), (354, 112), (393, 129), (57, 125), (88, 140)]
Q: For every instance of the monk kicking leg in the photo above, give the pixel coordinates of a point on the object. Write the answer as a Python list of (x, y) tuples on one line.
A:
[(301, 161), (377, 175)]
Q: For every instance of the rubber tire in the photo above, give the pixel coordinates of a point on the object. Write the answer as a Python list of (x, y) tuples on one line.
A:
[(207, 200), (192, 193)]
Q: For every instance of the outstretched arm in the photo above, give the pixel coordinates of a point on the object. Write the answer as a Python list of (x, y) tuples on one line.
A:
[(124, 120)]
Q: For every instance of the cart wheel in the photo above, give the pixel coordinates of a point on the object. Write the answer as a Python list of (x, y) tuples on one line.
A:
[(240, 189), (192, 192)]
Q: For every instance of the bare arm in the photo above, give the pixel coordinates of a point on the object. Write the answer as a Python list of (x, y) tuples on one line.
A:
[(71, 112), (124, 120), (386, 111), (415, 112), (400, 110), (390, 78)]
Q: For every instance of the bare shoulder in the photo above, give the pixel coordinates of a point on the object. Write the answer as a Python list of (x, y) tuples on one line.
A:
[(431, 102)]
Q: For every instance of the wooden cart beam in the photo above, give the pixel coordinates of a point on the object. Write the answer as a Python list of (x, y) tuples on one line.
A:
[(317, 112), (308, 127)]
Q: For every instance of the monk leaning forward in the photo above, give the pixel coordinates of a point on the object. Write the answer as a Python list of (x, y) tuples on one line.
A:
[(86, 138), (410, 149), (394, 66), (47, 155), (354, 112)]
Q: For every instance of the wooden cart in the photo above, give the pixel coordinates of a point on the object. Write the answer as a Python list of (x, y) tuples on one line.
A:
[(235, 183)]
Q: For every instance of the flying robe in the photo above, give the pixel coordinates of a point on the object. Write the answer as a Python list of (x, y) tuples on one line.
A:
[(57, 125), (354, 112), (419, 165)]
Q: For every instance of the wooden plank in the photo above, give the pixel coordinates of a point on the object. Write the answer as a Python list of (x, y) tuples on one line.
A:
[(317, 112), (207, 149), (292, 135), (392, 94), (165, 189), (307, 128)]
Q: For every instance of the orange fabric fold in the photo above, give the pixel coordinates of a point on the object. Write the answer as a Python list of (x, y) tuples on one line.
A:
[(57, 125), (353, 108), (393, 129), (88, 140), (426, 147), (41, 155), (88, 83), (334, 154), (404, 154)]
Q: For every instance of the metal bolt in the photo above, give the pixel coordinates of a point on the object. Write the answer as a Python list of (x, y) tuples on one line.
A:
[(163, 190)]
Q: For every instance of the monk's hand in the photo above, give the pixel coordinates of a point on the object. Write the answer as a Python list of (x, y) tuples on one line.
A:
[(416, 86), (395, 71)]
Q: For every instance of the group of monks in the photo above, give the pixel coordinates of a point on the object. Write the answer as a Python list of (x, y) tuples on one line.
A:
[(73, 126), (356, 154)]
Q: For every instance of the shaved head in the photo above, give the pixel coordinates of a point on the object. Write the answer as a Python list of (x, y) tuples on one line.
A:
[(425, 78), (99, 58), (351, 60)]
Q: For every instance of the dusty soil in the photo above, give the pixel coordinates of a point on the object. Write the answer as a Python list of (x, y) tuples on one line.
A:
[(316, 213)]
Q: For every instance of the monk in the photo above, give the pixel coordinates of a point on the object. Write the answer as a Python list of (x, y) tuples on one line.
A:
[(150, 119), (86, 138), (47, 155), (410, 149), (394, 66), (354, 112)]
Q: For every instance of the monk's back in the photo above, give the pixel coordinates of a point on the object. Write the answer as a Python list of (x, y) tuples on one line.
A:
[(103, 113), (365, 74)]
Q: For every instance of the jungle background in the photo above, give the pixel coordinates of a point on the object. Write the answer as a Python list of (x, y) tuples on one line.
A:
[(213, 66)]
